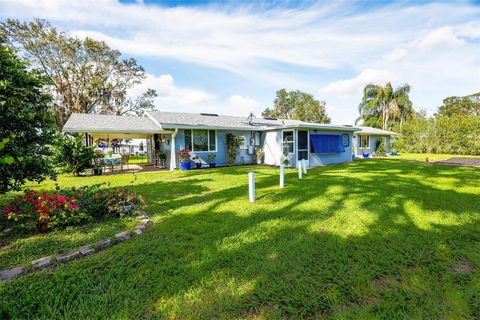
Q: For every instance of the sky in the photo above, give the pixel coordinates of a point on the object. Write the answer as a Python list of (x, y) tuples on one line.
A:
[(230, 57)]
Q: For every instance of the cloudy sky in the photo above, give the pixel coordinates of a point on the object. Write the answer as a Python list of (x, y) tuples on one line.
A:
[(230, 57)]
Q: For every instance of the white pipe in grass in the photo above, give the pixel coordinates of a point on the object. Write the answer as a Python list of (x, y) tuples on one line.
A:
[(282, 176), (304, 163), (251, 186), (299, 166)]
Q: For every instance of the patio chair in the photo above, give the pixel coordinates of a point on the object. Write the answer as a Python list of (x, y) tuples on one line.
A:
[(125, 158)]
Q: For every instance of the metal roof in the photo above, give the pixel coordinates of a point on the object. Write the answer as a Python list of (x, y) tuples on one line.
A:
[(81, 122), (375, 131), (198, 120), (159, 121)]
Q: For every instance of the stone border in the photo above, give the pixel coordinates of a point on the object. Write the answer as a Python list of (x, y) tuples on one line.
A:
[(42, 263)]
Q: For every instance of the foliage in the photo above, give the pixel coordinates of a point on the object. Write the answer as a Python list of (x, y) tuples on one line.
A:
[(259, 153), (86, 75), (454, 134), (233, 143), (211, 157), (45, 211), (383, 107), (286, 160), (73, 155), (62, 208), (297, 105), (380, 148), (26, 124), (184, 155), (468, 106)]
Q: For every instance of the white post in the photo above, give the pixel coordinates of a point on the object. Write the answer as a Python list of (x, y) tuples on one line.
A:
[(251, 186), (282, 176), (299, 166), (304, 163), (173, 160)]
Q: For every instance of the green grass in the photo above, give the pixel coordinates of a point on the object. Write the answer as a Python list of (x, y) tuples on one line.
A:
[(138, 159), (431, 156), (369, 239)]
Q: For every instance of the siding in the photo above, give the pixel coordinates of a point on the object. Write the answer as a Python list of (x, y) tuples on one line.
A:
[(330, 158), (221, 160), (372, 144)]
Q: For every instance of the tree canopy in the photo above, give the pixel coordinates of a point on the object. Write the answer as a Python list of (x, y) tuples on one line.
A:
[(383, 107), (26, 123), (297, 105), (468, 105), (86, 75)]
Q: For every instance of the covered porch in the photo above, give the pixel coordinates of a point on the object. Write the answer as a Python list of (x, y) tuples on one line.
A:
[(106, 131)]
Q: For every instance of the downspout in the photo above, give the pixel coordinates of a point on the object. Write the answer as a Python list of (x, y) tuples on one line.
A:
[(173, 159)]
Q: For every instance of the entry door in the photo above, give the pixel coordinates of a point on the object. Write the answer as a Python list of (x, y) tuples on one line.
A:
[(302, 145)]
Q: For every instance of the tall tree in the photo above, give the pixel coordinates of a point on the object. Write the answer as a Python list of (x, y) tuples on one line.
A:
[(468, 106), (86, 75), (297, 105), (382, 107), (26, 123)]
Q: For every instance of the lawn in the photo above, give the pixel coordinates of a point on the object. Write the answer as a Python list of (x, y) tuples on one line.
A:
[(375, 238), (431, 156)]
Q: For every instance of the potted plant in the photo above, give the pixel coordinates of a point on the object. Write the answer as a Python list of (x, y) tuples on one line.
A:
[(198, 162), (184, 156), (97, 169), (259, 155), (211, 160)]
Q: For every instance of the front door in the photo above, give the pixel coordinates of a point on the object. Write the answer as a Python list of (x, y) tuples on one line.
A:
[(302, 145)]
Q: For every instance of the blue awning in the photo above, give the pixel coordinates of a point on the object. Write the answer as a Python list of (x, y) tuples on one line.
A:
[(325, 143)]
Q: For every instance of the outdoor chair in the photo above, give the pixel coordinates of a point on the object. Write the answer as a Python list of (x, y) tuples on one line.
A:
[(124, 161)]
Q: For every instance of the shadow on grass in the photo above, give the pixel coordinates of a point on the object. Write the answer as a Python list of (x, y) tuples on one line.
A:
[(370, 238)]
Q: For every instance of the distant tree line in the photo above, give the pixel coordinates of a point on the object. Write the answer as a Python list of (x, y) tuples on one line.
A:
[(454, 129)]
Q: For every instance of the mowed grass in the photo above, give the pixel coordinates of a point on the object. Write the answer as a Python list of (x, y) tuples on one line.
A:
[(375, 238), (430, 156)]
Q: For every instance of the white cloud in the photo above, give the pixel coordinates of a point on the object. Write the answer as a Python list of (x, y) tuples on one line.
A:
[(346, 88), (432, 46), (239, 105)]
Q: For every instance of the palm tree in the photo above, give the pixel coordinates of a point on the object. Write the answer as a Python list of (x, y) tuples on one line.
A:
[(383, 106)]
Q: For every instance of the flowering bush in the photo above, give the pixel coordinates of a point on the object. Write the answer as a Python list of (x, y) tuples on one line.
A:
[(72, 207), (184, 155), (45, 211)]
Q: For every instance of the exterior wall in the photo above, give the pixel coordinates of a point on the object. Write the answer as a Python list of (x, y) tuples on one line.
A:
[(372, 144), (330, 158), (244, 157), (272, 146)]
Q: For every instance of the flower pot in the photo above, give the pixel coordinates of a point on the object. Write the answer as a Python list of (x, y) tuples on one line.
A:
[(259, 161), (394, 153), (212, 165), (366, 155), (353, 157), (198, 165), (185, 166)]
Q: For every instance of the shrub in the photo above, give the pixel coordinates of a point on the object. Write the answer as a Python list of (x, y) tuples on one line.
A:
[(184, 155), (63, 208), (72, 155), (233, 143), (380, 149)]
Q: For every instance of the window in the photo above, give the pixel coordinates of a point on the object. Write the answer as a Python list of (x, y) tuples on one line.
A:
[(188, 139), (201, 140), (364, 141), (212, 140), (256, 138), (287, 141), (243, 142)]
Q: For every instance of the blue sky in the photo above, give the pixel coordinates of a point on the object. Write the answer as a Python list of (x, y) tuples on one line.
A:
[(230, 57)]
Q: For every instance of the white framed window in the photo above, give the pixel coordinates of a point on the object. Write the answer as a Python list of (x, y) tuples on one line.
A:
[(256, 138), (201, 140), (243, 142), (364, 141), (288, 141)]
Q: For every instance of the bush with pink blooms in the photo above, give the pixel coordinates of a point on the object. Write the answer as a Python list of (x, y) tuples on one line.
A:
[(59, 209)]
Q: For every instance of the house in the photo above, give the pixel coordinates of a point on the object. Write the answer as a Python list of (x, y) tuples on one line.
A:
[(205, 133), (367, 139)]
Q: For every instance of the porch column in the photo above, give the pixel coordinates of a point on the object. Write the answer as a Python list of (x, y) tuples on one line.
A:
[(173, 159)]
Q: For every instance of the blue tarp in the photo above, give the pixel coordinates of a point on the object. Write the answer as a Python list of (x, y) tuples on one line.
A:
[(324, 143)]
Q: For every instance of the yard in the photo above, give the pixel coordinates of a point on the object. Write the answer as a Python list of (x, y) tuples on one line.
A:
[(375, 238)]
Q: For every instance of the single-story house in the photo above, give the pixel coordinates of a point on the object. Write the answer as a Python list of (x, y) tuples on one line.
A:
[(205, 133), (367, 139)]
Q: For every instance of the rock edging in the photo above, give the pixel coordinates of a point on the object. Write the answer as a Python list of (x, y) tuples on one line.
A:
[(44, 262)]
